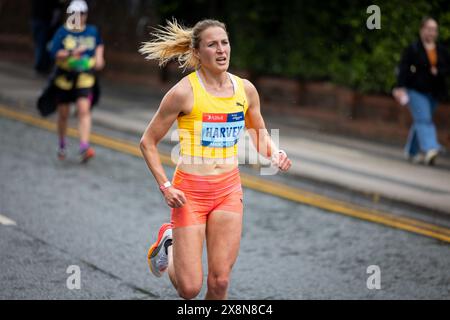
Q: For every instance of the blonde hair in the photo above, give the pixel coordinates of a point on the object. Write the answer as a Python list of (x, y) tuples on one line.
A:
[(177, 42)]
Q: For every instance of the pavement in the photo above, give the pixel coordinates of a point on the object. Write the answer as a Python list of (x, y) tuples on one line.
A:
[(101, 217), (347, 164)]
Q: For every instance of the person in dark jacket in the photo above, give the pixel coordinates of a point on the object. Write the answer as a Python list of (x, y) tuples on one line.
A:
[(46, 16), (420, 85)]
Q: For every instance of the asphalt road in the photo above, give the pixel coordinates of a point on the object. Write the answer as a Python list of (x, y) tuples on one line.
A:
[(103, 216)]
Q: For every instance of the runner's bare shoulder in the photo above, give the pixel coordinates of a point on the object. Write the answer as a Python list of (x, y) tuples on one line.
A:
[(181, 96)]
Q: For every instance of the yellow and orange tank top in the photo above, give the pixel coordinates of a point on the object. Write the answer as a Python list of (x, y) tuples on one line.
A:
[(213, 127)]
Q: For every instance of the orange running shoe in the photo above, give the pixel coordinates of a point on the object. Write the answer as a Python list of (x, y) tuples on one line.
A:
[(62, 154), (157, 256), (87, 154)]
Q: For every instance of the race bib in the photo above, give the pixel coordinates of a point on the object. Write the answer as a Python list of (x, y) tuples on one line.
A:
[(221, 130)]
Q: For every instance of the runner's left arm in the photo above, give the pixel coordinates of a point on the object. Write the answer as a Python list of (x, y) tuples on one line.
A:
[(256, 128), (99, 51), (99, 57)]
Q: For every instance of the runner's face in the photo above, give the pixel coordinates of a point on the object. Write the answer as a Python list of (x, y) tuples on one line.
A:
[(79, 18), (214, 49), (84, 17)]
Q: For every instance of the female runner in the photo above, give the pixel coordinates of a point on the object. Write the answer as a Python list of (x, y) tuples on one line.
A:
[(212, 107)]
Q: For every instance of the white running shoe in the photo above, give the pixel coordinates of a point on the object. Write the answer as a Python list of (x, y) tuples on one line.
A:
[(430, 157), (157, 256), (416, 159)]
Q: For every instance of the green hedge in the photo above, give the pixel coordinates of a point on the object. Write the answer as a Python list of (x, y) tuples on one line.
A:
[(317, 40)]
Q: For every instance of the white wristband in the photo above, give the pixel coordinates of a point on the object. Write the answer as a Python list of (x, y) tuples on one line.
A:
[(164, 186), (279, 151)]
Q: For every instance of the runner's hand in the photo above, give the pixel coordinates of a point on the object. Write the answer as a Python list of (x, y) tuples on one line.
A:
[(99, 64), (281, 160), (79, 51), (174, 198)]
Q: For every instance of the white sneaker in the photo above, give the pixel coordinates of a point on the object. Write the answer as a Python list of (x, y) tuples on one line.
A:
[(157, 256), (416, 159), (430, 157)]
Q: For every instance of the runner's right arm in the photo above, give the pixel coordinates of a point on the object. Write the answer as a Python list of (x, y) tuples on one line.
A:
[(171, 106)]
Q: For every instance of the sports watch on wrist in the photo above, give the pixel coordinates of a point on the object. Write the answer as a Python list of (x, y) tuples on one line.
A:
[(164, 186)]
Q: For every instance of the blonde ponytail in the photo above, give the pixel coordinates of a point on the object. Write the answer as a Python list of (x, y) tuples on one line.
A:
[(177, 42), (170, 42)]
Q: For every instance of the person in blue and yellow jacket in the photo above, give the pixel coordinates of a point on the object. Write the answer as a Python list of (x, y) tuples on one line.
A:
[(78, 51)]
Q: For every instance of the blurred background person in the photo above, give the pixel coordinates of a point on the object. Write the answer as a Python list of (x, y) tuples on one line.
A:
[(46, 16), (420, 84), (79, 51)]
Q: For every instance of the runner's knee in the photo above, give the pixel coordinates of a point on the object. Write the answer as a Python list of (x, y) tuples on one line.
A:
[(83, 112), (218, 284), (63, 111), (188, 291)]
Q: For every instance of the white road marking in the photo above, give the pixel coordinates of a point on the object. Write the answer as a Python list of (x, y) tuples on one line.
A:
[(6, 221)]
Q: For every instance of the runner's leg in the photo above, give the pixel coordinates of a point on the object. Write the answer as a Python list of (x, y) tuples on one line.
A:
[(84, 119), (185, 260), (223, 235), (63, 118)]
